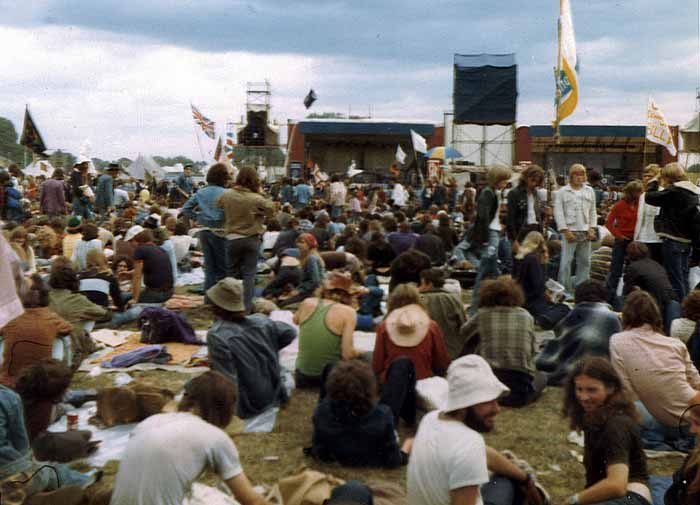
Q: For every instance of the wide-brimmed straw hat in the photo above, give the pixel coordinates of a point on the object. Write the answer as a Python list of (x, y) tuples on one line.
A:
[(340, 281), (407, 326)]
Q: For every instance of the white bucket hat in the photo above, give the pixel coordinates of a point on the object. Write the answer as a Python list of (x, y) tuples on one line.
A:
[(470, 382)]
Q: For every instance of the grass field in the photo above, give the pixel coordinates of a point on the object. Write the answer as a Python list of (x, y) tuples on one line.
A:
[(536, 433)]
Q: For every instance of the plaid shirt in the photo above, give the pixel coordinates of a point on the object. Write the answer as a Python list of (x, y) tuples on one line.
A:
[(506, 338)]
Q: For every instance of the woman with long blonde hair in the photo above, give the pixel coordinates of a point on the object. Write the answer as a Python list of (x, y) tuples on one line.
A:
[(530, 272)]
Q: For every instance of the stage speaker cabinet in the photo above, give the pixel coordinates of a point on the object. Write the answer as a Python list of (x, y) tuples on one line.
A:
[(254, 132)]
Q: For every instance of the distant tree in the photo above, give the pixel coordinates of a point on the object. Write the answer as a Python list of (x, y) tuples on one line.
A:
[(9, 148), (61, 159)]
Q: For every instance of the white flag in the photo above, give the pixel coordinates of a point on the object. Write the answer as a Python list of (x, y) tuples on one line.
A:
[(400, 155), (657, 128), (419, 144)]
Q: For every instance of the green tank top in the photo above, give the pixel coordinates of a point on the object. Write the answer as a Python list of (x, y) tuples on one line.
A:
[(318, 345)]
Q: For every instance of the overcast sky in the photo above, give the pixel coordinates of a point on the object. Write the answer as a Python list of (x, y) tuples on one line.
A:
[(122, 73)]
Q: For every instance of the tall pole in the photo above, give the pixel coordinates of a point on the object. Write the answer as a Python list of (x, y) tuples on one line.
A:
[(196, 134), (557, 73)]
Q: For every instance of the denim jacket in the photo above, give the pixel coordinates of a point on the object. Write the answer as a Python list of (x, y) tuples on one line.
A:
[(15, 453), (206, 213)]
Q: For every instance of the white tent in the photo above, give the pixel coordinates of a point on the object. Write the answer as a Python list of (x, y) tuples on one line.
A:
[(141, 166), (39, 167)]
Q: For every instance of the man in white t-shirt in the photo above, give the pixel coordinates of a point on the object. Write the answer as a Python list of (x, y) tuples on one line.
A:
[(168, 452), (450, 461)]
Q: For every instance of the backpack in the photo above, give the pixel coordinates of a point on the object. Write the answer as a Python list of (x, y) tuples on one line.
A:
[(159, 325)]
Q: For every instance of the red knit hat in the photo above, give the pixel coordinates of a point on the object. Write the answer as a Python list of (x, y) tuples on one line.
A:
[(309, 239)]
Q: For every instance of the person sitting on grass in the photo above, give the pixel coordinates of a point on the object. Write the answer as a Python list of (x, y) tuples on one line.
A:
[(152, 266), (326, 325), (656, 370), (585, 331), (684, 327), (168, 452), (450, 461), (685, 489), (350, 427), (245, 349), (312, 270), (443, 307), (616, 466), (409, 347), (503, 333)]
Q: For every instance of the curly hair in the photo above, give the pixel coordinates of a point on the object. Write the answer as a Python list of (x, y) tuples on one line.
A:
[(600, 369), (64, 277), (214, 397), (46, 380), (640, 308), (90, 232), (691, 306), (501, 292), (354, 383)]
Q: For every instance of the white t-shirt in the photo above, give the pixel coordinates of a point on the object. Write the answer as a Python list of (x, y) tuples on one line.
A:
[(496, 221), (531, 216), (166, 454), (181, 244), (446, 455)]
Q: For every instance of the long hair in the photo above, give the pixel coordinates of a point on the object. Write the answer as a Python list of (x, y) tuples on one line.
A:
[(95, 259), (640, 308), (354, 383), (214, 396), (534, 243), (598, 368), (402, 295), (47, 380), (501, 292)]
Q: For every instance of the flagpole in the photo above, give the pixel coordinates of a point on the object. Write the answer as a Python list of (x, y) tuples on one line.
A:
[(557, 73), (290, 143), (196, 134)]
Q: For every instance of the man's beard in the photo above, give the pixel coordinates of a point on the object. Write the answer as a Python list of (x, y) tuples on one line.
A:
[(475, 422)]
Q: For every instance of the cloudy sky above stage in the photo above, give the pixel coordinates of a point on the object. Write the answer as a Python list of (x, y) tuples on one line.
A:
[(122, 73)]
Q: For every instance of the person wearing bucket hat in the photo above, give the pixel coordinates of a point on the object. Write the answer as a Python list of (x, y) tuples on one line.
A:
[(245, 349), (326, 327), (73, 234), (409, 347), (450, 461), (312, 270)]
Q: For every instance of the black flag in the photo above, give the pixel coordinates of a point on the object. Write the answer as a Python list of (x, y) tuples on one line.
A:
[(310, 99), (31, 138)]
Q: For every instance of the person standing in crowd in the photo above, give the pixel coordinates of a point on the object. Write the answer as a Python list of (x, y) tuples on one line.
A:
[(79, 183), (616, 466), (184, 182), (302, 194), (576, 218), (646, 214), (487, 229), (621, 222), (338, 195), (53, 195), (245, 349), (399, 195), (12, 209), (450, 461), (524, 206), (245, 210), (167, 452), (104, 192), (677, 199), (210, 219)]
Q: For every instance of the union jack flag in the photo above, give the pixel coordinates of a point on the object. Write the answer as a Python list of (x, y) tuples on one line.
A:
[(208, 126), (229, 145)]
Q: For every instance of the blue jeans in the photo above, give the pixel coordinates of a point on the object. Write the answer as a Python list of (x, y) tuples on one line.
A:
[(505, 255), (499, 490), (371, 302), (82, 208), (128, 316), (488, 265), (243, 264), (657, 436), (215, 257), (676, 264), (617, 263), (582, 251)]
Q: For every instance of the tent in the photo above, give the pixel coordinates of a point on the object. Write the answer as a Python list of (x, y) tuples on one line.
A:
[(691, 135), (141, 166), (39, 167)]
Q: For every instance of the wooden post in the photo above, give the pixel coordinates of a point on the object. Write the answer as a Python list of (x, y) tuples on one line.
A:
[(557, 72)]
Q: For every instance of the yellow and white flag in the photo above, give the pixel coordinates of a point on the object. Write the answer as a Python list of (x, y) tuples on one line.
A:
[(567, 80), (657, 128)]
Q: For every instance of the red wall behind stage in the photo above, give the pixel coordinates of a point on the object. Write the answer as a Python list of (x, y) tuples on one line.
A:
[(523, 145)]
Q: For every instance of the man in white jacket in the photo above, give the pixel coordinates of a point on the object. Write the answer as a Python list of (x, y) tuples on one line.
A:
[(576, 218)]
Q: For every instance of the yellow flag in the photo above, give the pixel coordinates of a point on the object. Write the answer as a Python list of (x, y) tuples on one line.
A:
[(567, 80)]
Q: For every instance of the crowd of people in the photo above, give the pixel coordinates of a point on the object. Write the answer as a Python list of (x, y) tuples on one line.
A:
[(580, 286)]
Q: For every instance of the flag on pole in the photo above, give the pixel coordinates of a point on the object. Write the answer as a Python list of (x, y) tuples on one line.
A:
[(218, 150), (419, 144), (229, 145), (208, 126), (31, 138), (658, 130), (400, 155), (567, 80), (310, 99)]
